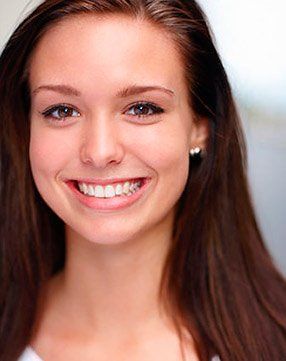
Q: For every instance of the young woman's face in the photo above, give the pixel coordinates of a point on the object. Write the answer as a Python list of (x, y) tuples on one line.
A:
[(93, 122)]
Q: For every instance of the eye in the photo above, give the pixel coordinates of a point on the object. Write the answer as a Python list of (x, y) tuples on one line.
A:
[(61, 111), (145, 109)]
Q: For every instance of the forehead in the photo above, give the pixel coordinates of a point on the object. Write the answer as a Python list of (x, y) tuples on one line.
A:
[(88, 49)]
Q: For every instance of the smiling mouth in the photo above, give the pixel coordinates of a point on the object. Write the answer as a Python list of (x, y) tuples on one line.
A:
[(112, 190), (110, 198)]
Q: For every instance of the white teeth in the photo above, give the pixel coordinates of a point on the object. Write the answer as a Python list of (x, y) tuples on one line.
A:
[(85, 188), (126, 187), (99, 192), (118, 189), (80, 185), (109, 191), (90, 190)]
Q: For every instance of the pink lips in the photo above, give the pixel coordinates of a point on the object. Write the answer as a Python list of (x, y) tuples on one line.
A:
[(108, 204)]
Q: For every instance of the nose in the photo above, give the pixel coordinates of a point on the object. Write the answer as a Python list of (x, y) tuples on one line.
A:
[(100, 144)]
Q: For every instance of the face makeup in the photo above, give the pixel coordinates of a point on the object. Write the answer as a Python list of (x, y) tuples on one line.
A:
[(94, 119)]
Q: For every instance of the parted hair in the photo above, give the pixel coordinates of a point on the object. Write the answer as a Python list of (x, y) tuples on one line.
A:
[(220, 282)]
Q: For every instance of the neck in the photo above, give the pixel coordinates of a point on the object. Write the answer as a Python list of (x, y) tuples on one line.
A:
[(112, 290)]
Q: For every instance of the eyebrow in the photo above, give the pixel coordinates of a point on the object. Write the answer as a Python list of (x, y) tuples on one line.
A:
[(122, 93)]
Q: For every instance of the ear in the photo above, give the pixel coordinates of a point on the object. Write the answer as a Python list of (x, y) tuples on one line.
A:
[(200, 132)]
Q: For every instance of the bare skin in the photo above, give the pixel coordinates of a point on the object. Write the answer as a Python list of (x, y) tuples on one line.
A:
[(58, 335), (104, 304)]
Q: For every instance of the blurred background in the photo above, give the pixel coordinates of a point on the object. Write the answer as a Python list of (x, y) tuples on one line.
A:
[(250, 37)]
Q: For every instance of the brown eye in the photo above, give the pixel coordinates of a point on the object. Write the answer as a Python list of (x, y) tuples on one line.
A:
[(61, 112), (145, 110), (65, 112)]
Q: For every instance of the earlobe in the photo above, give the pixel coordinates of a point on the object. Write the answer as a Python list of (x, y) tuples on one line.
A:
[(200, 133)]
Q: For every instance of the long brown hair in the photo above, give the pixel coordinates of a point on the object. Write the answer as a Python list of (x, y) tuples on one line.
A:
[(219, 280)]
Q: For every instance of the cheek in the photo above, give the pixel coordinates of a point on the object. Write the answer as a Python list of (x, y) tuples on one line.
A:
[(47, 151), (165, 148), (166, 152)]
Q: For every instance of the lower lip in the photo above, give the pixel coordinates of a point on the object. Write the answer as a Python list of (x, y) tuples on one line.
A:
[(109, 204)]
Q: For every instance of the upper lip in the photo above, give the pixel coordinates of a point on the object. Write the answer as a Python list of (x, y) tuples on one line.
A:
[(105, 180)]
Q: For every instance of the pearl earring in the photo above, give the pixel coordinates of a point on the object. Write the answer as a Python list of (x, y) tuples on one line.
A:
[(196, 152)]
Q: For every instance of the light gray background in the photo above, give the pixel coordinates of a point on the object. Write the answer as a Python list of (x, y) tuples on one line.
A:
[(249, 36)]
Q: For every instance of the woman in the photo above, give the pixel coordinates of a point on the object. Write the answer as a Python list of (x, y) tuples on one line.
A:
[(128, 231)]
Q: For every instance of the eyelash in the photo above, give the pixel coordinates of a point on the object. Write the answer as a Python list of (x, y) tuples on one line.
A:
[(48, 113)]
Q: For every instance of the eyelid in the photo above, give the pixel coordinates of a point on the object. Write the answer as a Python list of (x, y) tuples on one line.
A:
[(47, 113), (55, 107), (157, 110)]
